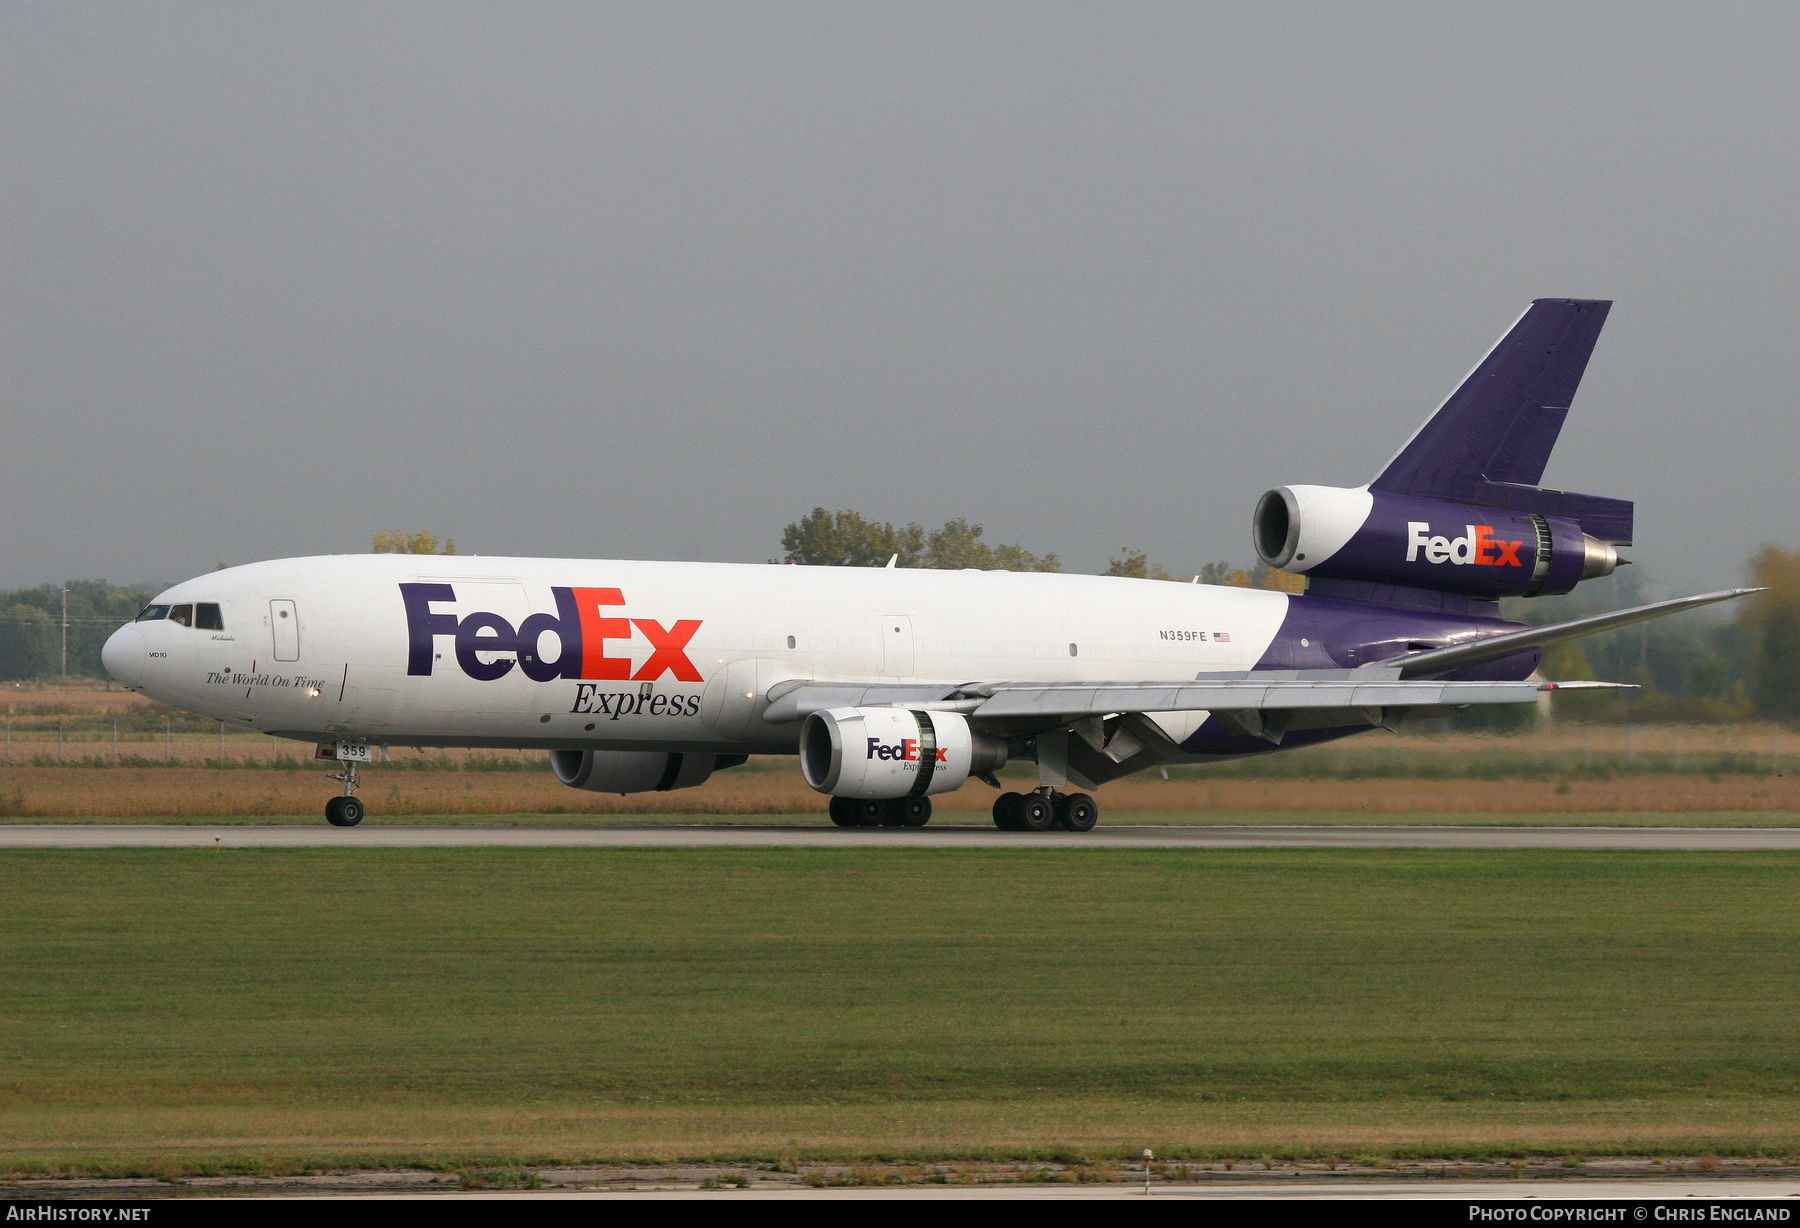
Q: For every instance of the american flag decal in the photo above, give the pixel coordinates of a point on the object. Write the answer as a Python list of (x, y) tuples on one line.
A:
[(1221, 637)]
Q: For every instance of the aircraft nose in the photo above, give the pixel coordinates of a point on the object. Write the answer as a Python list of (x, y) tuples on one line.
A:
[(123, 655)]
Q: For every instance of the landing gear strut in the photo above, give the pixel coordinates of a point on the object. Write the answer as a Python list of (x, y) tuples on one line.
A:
[(345, 811), (1043, 809)]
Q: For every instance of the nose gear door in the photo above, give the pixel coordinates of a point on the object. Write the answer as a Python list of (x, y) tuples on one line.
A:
[(284, 624)]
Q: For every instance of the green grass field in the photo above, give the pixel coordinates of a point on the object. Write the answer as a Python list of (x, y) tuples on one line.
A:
[(182, 1011)]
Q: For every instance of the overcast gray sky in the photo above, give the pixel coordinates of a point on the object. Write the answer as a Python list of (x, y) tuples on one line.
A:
[(652, 281)]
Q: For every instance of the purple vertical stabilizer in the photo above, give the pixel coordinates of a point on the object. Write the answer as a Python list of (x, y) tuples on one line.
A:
[(1489, 441)]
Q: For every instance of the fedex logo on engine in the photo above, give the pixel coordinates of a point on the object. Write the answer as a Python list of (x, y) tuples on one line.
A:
[(1480, 548), (906, 749), (580, 629)]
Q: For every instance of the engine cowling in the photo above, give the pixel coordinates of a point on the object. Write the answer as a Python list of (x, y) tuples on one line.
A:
[(1359, 534), (631, 771), (893, 752)]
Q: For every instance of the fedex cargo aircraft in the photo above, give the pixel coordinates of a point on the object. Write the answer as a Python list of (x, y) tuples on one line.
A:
[(892, 685)]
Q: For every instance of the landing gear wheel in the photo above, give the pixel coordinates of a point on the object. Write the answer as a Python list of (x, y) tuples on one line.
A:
[(344, 810), (914, 811), (1077, 812), (844, 812), (1035, 813), (870, 812), (1005, 816)]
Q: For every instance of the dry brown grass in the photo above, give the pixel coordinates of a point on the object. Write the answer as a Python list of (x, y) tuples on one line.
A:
[(46, 792), (180, 1137), (773, 786), (75, 699), (34, 792)]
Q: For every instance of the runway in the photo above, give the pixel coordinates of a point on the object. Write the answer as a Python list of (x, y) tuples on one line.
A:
[(1695, 1192), (374, 835)]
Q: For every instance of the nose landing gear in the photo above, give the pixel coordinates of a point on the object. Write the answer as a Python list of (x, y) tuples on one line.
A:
[(1044, 809), (345, 811)]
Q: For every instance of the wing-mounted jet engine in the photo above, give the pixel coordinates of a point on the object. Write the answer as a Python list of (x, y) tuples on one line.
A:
[(1458, 509), (636, 771), (880, 764)]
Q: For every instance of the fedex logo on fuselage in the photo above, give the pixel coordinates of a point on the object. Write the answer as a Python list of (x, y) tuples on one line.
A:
[(580, 629), (1480, 548), (907, 750)]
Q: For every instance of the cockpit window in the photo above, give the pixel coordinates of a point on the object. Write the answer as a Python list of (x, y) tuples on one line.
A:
[(183, 614), (207, 617), (153, 613)]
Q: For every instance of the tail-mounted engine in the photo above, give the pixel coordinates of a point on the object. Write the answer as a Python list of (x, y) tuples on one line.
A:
[(893, 752), (1478, 551), (1459, 509)]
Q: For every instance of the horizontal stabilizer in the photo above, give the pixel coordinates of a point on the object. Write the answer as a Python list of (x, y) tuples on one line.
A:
[(1440, 660)]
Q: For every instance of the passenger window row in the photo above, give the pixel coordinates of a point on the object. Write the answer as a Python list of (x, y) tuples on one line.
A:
[(204, 616)]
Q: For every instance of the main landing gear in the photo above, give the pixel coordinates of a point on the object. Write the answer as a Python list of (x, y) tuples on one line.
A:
[(1037, 811), (345, 811), (1044, 809), (885, 812)]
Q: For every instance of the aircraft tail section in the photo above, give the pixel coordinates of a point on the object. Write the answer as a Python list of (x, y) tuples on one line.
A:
[(1489, 441), (1458, 510)]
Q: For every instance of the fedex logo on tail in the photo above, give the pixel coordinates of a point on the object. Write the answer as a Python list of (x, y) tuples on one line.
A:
[(1480, 548), (581, 632), (907, 749)]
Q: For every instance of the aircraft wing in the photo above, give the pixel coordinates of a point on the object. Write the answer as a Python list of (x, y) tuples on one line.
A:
[(1391, 683), (1227, 694), (1064, 701)]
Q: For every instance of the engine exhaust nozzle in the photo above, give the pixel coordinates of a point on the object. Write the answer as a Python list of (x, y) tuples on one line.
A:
[(1599, 558)]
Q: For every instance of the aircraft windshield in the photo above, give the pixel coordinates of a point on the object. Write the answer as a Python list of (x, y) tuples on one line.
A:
[(153, 613), (207, 617), (183, 614)]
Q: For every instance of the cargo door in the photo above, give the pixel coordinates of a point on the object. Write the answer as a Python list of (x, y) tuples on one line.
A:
[(896, 646), (284, 625)]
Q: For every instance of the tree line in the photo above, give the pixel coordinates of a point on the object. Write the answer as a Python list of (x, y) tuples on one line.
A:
[(1689, 669), (31, 626), (846, 538), (1747, 665)]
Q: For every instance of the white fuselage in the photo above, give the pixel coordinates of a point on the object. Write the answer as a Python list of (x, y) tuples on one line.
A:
[(357, 663)]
